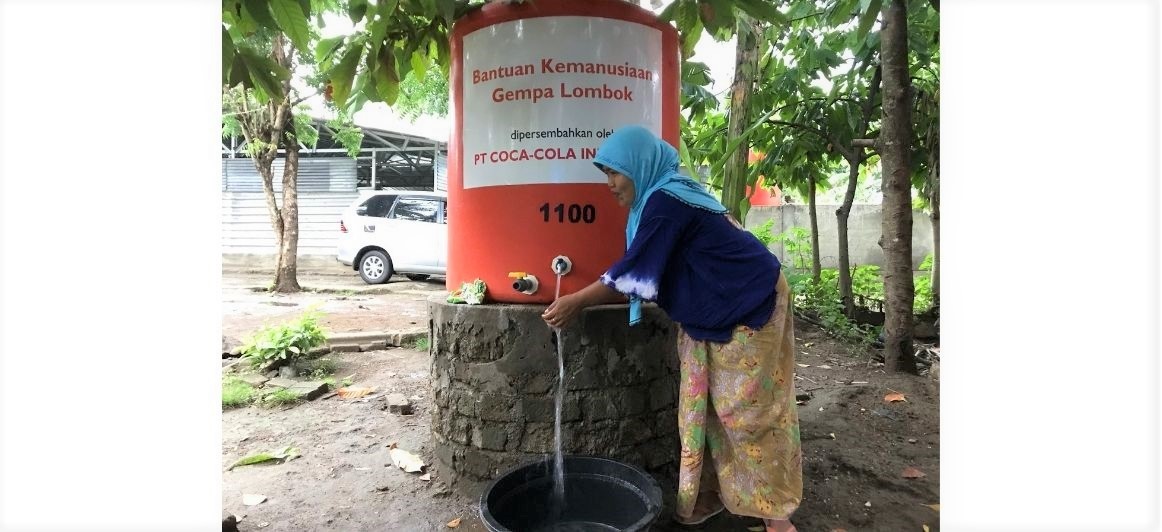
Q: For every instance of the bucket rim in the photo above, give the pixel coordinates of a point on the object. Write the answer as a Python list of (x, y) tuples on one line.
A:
[(652, 487)]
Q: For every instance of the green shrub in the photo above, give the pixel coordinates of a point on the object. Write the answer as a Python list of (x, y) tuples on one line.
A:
[(272, 347), (764, 233), (866, 281), (923, 299), (796, 243), (821, 301)]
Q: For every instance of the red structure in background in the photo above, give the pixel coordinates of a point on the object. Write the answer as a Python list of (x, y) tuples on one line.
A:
[(764, 196)]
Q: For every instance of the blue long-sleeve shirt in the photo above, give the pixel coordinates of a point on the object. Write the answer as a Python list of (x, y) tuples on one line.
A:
[(706, 273)]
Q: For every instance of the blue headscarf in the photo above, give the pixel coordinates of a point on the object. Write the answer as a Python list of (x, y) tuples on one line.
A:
[(652, 165)]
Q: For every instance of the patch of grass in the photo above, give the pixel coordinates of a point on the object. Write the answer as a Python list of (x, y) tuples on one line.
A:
[(236, 393), (322, 368), (421, 344), (281, 397), (347, 381)]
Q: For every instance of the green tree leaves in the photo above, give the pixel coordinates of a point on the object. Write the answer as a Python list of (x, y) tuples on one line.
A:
[(292, 20)]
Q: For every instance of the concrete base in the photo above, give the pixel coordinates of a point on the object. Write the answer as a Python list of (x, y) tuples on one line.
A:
[(494, 376)]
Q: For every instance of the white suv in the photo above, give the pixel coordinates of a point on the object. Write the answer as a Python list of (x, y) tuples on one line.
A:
[(390, 232)]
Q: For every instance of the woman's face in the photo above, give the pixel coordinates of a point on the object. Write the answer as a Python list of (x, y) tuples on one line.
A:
[(620, 186)]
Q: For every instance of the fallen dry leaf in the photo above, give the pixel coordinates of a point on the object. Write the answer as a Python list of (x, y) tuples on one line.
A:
[(808, 344), (406, 461), (354, 392), (803, 365), (935, 507), (426, 477), (252, 499), (911, 472), (832, 434), (454, 523), (825, 366), (894, 397), (926, 529)]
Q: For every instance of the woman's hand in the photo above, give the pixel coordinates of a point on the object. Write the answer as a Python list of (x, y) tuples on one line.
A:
[(563, 311), (566, 308)]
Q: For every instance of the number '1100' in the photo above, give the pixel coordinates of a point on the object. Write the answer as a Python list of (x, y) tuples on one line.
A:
[(572, 213)]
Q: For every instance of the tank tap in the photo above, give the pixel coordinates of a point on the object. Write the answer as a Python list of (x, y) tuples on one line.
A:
[(524, 283), (562, 265)]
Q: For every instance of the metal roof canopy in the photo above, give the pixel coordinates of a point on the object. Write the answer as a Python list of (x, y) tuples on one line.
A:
[(402, 160)]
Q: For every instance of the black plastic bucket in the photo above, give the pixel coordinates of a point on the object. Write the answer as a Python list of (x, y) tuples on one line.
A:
[(600, 495)]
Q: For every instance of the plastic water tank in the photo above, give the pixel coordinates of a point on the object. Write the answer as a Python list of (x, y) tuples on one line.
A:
[(536, 87)]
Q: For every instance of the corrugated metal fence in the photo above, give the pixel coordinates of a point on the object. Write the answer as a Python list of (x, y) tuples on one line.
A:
[(327, 174), (326, 186), (442, 173), (246, 222)]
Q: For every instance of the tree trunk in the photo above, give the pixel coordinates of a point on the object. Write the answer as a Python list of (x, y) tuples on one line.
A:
[(895, 154), (841, 216), (855, 158), (935, 216), (286, 276), (816, 266), (745, 67), (263, 163), (934, 204), (283, 135)]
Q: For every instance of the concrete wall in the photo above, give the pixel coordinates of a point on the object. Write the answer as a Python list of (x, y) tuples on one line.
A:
[(863, 232), (494, 374)]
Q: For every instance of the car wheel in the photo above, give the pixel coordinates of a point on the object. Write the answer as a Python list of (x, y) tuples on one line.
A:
[(418, 276), (375, 267)]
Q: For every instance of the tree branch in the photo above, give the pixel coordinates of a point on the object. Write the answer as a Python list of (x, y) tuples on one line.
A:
[(303, 99), (846, 152), (869, 104), (817, 13)]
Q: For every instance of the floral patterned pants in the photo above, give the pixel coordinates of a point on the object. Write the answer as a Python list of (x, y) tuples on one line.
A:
[(737, 400)]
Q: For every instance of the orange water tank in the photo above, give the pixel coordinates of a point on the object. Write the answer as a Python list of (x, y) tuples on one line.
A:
[(760, 195), (536, 87)]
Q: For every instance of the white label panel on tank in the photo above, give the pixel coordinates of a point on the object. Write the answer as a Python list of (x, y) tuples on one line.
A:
[(541, 94)]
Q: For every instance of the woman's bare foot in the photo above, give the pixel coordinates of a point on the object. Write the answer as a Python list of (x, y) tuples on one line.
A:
[(779, 525)]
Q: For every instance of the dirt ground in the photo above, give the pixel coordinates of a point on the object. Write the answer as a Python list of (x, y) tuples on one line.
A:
[(347, 304), (856, 445)]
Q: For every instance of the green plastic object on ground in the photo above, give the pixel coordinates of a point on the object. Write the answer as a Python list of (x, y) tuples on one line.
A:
[(471, 293)]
